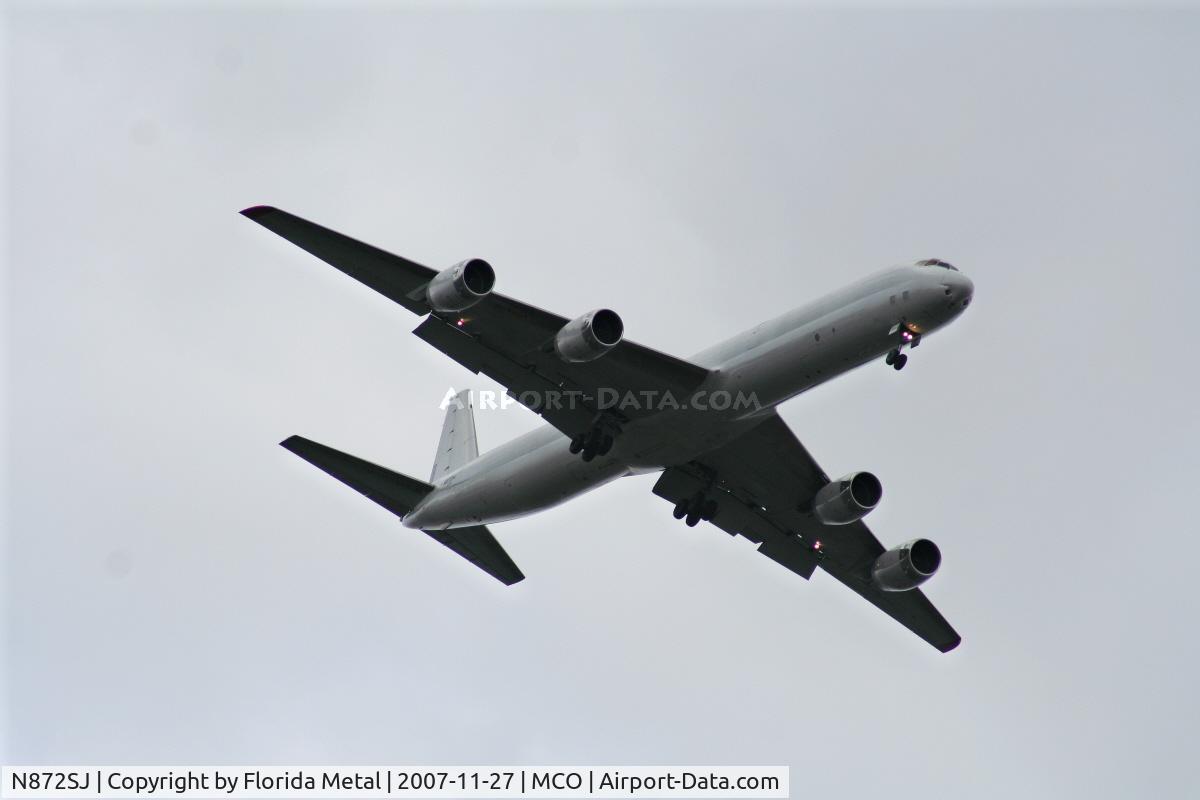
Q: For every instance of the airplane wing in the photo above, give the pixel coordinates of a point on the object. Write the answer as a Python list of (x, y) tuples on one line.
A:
[(503, 338), (762, 480)]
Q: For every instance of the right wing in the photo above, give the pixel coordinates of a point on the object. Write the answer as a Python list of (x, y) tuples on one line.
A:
[(763, 479), (503, 338)]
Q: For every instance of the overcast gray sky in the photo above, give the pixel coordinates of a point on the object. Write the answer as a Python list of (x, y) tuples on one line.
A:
[(182, 590)]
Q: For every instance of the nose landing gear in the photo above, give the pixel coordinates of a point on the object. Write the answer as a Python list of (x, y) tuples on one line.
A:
[(895, 358)]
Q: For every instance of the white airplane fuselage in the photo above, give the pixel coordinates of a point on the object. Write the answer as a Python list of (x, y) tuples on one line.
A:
[(770, 363)]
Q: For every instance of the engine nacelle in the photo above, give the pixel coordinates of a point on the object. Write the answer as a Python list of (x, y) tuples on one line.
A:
[(590, 336), (848, 499), (906, 566), (461, 286)]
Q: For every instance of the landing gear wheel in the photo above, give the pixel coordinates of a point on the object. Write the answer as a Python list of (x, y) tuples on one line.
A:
[(709, 510), (890, 358), (598, 441), (681, 509), (693, 517), (900, 361)]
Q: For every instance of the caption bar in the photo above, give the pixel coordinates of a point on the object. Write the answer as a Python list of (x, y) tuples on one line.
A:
[(402, 782)]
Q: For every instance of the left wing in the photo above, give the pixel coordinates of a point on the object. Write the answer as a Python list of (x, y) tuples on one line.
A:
[(503, 338), (762, 480)]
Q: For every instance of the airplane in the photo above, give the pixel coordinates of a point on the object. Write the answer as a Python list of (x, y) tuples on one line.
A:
[(614, 408)]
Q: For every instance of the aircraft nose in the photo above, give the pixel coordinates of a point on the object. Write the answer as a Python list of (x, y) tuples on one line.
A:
[(966, 290), (959, 289)]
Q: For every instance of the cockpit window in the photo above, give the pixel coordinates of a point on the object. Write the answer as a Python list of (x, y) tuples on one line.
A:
[(936, 262)]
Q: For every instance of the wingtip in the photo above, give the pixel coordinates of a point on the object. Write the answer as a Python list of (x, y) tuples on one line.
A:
[(946, 648), (291, 442), (254, 212)]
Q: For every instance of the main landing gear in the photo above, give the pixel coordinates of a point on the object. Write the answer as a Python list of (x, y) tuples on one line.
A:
[(596, 442), (895, 358), (696, 508)]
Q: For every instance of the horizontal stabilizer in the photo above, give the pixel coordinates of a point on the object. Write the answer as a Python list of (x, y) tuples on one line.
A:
[(477, 545), (400, 494), (397, 493)]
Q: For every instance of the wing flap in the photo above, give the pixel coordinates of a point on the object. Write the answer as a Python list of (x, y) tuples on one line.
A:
[(568, 396), (523, 383), (737, 517)]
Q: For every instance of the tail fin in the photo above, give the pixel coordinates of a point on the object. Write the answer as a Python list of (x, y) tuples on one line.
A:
[(400, 494), (458, 444)]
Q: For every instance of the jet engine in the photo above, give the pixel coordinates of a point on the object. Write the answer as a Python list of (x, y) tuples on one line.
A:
[(590, 336), (461, 286), (847, 499), (906, 566)]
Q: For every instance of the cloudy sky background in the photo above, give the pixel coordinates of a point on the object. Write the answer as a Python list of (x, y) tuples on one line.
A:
[(179, 589)]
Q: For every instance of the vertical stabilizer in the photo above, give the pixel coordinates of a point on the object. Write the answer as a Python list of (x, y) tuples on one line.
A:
[(458, 444)]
